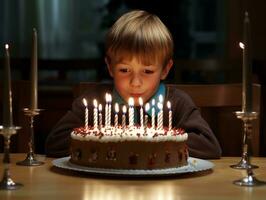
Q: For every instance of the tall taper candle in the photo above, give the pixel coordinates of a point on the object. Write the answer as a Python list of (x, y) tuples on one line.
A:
[(247, 71), (7, 93), (34, 75)]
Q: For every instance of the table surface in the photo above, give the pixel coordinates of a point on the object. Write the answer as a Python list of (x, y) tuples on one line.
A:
[(49, 182)]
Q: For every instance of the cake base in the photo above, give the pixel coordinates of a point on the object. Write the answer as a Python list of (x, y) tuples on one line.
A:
[(129, 154)]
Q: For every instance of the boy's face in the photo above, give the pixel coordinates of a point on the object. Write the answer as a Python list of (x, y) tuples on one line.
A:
[(134, 79)]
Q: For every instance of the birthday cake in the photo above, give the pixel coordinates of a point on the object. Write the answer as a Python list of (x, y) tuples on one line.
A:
[(130, 149), (128, 146)]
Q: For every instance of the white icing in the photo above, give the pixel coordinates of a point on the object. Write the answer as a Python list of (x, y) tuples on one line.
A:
[(113, 134)]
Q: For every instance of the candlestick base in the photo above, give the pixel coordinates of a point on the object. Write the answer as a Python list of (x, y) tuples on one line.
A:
[(30, 159), (7, 183), (250, 180)]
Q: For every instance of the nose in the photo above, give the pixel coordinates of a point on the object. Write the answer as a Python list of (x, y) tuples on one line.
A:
[(135, 80)]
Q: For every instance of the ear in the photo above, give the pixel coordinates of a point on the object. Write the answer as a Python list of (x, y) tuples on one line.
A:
[(109, 67), (166, 69)]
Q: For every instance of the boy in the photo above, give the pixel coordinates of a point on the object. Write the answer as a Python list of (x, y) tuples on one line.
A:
[(139, 52)]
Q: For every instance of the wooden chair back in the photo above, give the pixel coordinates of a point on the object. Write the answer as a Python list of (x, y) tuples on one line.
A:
[(217, 103)]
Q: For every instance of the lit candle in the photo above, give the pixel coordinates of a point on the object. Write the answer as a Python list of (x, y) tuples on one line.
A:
[(247, 70), (116, 114), (147, 108), (153, 114), (7, 93), (131, 112), (34, 75), (169, 115), (109, 109), (160, 116), (86, 112), (106, 109), (141, 112), (124, 110), (95, 114), (100, 116)]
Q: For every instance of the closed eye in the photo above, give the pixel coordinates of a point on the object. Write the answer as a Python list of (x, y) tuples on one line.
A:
[(147, 71), (123, 70)]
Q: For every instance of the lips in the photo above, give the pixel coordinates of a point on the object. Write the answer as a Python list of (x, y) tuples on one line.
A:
[(135, 95)]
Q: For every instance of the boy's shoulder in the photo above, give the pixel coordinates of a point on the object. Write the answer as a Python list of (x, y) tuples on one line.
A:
[(173, 93)]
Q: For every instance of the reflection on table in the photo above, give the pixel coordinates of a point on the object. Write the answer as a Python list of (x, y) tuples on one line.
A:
[(49, 182)]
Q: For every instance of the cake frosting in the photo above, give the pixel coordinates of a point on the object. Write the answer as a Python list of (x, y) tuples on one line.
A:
[(129, 147)]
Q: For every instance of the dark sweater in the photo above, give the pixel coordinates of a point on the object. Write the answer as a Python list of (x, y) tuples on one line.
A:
[(201, 140)]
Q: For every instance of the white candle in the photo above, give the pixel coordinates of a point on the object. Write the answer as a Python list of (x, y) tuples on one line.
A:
[(116, 114), (131, 112), (86, 112), (100, 116), (34, 73), (141, 112), (109, 109), (106, 109), (7, 91), (147, 108), (160, 116), (153, 114), (124, 109), (95, 114), (169, 115)]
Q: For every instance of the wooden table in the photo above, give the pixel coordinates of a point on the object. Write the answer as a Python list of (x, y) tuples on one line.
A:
[(48, 182)]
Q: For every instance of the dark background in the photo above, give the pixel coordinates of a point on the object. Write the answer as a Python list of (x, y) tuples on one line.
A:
[(71, 42)]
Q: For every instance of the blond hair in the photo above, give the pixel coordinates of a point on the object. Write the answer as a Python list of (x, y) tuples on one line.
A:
[(141, 34)]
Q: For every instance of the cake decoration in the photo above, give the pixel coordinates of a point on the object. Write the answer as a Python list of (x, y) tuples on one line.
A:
[(128, 146)]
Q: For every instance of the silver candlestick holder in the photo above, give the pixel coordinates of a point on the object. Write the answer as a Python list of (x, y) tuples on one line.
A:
[(7, 183), (30, 159), (250, 179)]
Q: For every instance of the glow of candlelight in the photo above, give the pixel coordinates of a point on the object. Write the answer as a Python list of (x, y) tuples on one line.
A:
[(95, 113), (241, 45), (86, 112), (161, 98), (169, 115)]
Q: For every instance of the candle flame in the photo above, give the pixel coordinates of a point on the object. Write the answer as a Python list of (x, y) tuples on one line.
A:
[(153, 102), (85, 102), (131, 101), (169, 105), (160, 106), (124, 109), (242, 46), (100, 107), (160, 98), (95, 103), (6, 46), (147, 107), (116, 107), (108, 97), (140, 101)]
